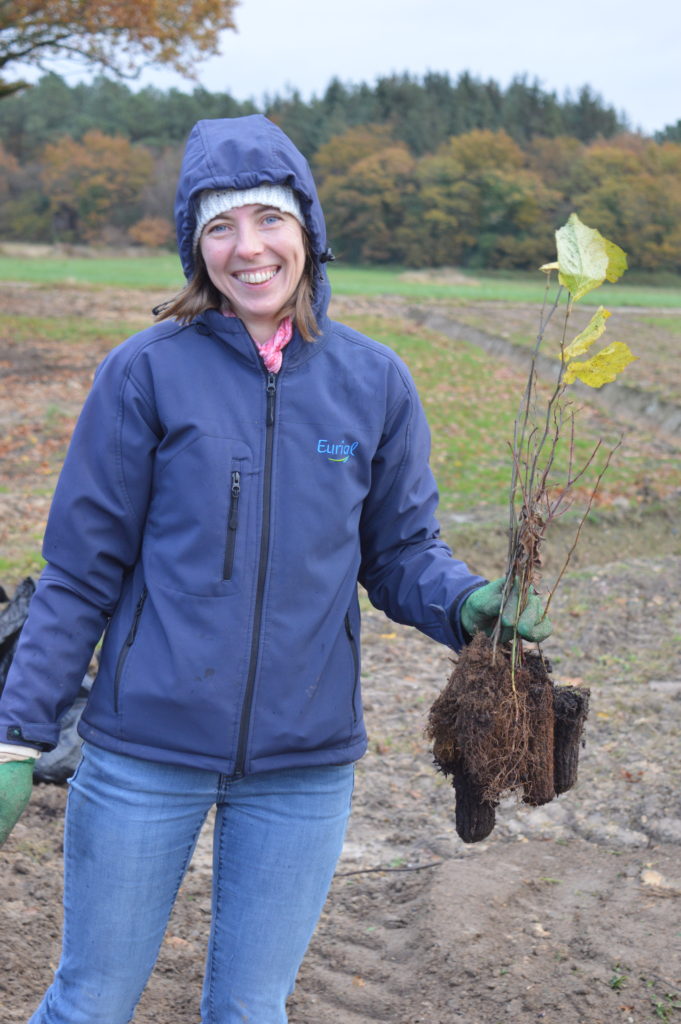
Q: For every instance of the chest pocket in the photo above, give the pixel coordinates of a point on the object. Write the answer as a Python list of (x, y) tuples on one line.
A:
[(202, 501)]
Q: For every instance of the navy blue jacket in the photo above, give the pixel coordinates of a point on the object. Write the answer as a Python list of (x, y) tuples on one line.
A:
[(213, 520)]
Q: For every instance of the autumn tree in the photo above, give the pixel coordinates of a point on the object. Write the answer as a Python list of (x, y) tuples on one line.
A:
[(93, 184), (337, 156), (633, 185), (477, 205), (440, 227), (119, 35), (366, 206), (558, 162), (9, 168)]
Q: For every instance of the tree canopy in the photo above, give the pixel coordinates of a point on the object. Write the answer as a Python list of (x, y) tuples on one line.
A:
[(427, 172), (120, 35)]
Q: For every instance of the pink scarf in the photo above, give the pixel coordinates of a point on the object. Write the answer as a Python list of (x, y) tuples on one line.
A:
[(270, 350)]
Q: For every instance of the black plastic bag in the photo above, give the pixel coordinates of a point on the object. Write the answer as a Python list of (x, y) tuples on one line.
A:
[(12, 618), (59, 764)]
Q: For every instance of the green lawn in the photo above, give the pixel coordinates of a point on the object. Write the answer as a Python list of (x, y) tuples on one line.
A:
[(471, 402), (163, 271), (508, 286)]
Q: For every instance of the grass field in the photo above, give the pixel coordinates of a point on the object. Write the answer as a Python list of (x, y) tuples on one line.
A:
[(162, 272), (471, 402), (470, 397)]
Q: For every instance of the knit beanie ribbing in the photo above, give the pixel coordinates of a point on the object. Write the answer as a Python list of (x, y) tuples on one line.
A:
[(213, 202)]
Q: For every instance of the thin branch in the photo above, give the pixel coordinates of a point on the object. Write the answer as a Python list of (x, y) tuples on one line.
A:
[(580, 525), (573, 480), (373, 871)]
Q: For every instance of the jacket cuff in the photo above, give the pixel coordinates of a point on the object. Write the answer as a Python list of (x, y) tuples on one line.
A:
[(13, 735), (455, 613)]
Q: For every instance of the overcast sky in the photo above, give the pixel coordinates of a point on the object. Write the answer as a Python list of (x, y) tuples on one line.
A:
[(628, 52)]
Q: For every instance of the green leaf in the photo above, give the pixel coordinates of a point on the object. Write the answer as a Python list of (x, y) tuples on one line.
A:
[(602, 368), (585, 339), (585, 258)]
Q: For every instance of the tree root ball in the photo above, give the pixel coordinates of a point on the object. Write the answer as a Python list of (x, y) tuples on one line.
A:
[(496, 731), (570, 708), (475, 817)]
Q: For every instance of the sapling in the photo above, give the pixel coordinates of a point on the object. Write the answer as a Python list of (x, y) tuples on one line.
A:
[(539, 494), (501, 725)]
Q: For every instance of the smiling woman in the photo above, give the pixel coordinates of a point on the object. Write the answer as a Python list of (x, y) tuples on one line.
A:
[(251, 258), (237, 469), (255, 257)]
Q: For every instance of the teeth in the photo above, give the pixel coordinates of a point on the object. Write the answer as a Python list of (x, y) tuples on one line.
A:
[(255, 276)]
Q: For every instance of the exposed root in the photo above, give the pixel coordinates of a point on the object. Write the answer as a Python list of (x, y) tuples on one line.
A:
[(481, 721), (494, 732), (570, 707), (538, 782), (475, 817)]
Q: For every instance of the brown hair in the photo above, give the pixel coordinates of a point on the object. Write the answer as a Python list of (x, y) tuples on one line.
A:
[(200, 294)]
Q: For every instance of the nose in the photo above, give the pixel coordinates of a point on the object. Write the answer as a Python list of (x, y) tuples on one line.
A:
[(248, 240)]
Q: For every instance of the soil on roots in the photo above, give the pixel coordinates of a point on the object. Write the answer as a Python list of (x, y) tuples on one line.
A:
[(496, 730)]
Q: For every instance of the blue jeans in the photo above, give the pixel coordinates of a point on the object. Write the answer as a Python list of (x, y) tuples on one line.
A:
[(131, 828)]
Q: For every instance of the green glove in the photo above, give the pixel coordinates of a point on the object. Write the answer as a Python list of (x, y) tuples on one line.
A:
[(16, 781), (480, 611)]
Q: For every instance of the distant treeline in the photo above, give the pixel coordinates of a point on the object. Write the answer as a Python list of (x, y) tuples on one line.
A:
[(419, 171)]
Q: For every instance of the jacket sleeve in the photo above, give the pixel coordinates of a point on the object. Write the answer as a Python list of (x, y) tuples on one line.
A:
[(92, 538), (408, 571)]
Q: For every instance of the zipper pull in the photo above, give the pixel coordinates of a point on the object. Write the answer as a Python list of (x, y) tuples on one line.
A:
[(234, 504), (271, 396), (136, 621)]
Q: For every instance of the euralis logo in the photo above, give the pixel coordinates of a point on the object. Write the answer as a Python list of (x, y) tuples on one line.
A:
[(336, 451)]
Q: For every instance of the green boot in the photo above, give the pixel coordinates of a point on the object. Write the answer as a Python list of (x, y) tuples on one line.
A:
[(16, 782)]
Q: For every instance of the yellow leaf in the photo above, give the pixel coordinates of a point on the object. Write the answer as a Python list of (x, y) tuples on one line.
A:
[(617, 261), (387, 636), (586, 259), (603, 368), (585, 339)]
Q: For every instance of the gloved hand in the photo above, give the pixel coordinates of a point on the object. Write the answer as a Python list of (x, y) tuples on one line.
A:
[(480, 611), (16, 781)]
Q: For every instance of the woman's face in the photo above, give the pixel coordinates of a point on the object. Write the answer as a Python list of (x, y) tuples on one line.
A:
[(255, 256)]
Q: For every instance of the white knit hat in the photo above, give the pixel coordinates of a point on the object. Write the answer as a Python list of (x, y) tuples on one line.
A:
[(213, 202)]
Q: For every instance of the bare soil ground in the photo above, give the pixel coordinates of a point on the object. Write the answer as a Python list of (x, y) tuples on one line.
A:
[(568, 913)]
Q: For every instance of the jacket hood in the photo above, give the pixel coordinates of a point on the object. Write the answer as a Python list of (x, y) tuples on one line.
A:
[(244, 152)]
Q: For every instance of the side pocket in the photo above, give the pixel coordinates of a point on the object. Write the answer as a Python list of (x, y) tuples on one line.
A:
[(125, 649), (355, 663), (232, 525)]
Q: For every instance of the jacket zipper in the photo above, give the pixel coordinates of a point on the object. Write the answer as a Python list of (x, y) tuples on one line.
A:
[(125, 649), (232, 525), (247, 706), (355, 662)]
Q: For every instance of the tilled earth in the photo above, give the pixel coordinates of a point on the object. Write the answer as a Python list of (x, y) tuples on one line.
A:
[(568, 914)]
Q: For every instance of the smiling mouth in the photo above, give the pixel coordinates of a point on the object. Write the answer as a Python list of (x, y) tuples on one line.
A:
[(256, 276)]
